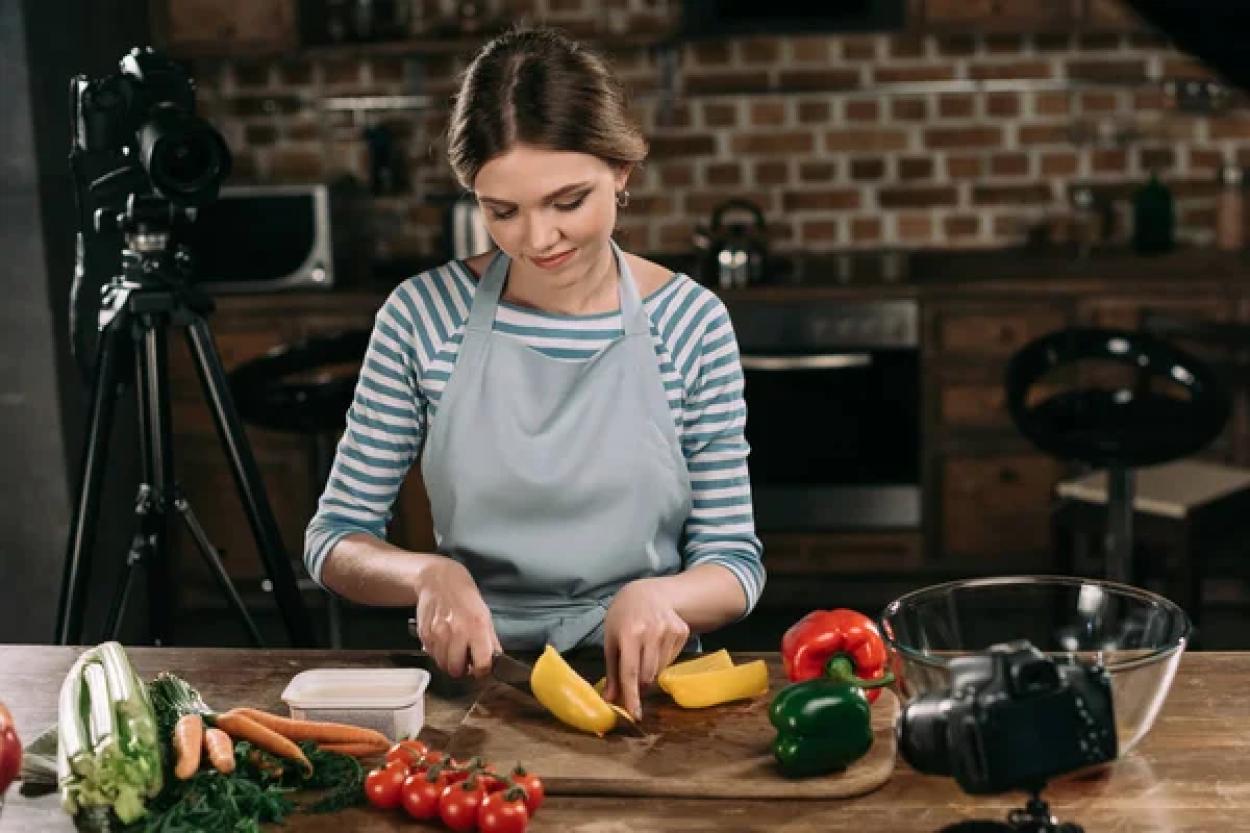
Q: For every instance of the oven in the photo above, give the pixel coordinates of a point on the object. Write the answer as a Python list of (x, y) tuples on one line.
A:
[(832, 392)]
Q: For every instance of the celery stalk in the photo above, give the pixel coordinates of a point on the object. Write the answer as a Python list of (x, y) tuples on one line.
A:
[(109, 751)]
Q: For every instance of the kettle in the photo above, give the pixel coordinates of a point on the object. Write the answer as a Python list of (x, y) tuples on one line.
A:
[(732, 254)]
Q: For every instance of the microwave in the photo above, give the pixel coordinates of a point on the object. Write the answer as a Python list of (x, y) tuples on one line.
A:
[(728, 17), (263, 238)]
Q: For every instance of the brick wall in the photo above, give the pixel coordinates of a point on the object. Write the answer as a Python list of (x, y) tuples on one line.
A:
[(805, 126)]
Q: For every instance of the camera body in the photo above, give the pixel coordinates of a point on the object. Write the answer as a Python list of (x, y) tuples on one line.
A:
[(146, 114), (1012, 719)]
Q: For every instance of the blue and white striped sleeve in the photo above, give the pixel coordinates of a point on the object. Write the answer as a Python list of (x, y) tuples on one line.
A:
[(721, 526), (385, 426)]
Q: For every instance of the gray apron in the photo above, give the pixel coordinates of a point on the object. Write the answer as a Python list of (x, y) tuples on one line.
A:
[(555, 482)]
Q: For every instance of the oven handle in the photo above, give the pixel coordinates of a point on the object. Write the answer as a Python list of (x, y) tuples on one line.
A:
[(815, 361)]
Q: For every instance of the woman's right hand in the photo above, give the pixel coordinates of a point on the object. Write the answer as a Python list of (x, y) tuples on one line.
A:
[(453, 622)]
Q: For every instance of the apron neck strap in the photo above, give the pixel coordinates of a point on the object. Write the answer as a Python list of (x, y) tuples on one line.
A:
[(490, 288)]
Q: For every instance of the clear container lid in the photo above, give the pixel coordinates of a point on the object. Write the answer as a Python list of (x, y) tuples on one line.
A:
[(356, 688)]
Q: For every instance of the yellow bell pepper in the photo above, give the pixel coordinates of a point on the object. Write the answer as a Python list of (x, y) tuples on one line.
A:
[(705, 662), (716, 661), (696, 689), (568, 696)]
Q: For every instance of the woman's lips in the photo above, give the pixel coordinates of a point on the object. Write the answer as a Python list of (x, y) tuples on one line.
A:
[(553, 262)]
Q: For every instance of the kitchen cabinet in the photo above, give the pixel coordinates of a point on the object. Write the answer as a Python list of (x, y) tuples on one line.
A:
[(190, 28), (996, 506), (811, 554)]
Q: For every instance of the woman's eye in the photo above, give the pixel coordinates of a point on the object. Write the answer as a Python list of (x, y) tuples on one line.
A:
[(502, 215), (571, 206)]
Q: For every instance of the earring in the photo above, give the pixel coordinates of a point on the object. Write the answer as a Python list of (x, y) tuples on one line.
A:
[(622, 198)]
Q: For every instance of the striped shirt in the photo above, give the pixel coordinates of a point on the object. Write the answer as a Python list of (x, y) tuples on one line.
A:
[(416, 338)]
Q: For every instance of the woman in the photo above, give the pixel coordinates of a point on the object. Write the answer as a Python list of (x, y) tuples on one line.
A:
[(577, 410)]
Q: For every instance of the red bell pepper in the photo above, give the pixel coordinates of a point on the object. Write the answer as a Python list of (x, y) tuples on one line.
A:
[(824, 637), (10, 751)]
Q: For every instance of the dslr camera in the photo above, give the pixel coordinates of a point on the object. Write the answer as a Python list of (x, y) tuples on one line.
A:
[(1012, 719), (145, 114)]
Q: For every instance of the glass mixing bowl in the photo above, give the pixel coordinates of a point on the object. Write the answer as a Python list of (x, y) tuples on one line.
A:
[(1138, 635)]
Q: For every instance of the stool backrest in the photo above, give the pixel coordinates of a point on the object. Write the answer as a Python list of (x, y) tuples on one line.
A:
[(1121, 427), (266, 395)]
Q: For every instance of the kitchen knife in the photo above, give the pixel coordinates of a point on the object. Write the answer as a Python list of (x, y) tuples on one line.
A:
[(516, 674)]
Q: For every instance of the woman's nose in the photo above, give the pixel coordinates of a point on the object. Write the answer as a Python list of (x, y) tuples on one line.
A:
[(542, 234)]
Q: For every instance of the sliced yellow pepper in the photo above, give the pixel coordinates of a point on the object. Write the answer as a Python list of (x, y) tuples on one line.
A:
[(705, 662), (568, 696), (700, 689), (716, 661)]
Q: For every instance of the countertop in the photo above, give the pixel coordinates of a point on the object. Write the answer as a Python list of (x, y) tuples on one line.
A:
[(1192, 773), (924, 274)]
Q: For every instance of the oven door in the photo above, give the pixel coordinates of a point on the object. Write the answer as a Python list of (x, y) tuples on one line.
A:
[(834, 434)]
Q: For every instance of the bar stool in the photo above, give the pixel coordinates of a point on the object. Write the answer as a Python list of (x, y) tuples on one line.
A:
[(305, 388), (1120, 431)]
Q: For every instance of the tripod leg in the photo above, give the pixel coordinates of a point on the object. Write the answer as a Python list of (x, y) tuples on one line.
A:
[(77, 568), (213, 560), (157, 438), (112, 625), (251, 487)]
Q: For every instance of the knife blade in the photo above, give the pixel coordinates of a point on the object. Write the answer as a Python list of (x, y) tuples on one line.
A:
[(512, 672)]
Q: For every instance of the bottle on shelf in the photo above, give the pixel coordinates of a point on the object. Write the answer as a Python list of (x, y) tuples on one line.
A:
[(1230, 230)]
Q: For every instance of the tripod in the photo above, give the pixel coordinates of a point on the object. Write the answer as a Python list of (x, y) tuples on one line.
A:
[(1034, 817), (150, 295)]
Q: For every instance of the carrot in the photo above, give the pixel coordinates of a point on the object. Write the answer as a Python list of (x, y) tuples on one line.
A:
[(220, 750), (188, 737), (356, 750), (242, 727), (319, 731)]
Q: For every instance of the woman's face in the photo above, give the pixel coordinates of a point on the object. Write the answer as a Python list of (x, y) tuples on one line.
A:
[(552, 211)]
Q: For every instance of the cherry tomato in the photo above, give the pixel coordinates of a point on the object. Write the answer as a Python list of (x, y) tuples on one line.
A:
[(533, 786), (492, 782), (503, 812), (419, 795), (459, 804), (454, 777), (432, 757), (10, 750), (383, 785), (408, 752)]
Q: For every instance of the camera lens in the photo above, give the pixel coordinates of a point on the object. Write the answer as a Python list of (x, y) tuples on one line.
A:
[(185, 157), (922, 735)]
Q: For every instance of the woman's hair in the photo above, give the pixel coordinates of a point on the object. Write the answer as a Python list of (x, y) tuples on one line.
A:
[(538, 87)]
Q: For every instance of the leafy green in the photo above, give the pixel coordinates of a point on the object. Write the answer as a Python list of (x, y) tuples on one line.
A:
[(210, 800), (341, 776), (172, 697)]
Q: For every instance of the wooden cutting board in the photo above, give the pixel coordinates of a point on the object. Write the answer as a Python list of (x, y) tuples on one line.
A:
[(719, 752)]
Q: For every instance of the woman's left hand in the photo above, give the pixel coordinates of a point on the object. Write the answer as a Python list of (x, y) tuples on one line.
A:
[(642, 635)]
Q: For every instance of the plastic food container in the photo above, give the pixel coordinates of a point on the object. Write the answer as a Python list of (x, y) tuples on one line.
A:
[(390, 700)]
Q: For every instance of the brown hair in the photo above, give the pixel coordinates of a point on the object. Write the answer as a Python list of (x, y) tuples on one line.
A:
[(536, 86)]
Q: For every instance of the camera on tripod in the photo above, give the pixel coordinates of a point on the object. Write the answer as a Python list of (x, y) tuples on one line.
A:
[(143, 162), (146, 113), (1013, 718)]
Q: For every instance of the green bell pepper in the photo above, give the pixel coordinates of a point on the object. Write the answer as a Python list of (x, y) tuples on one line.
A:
[(823, 724)]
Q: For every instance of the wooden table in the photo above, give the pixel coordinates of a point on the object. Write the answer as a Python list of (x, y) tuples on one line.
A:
[(1192, 773)]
